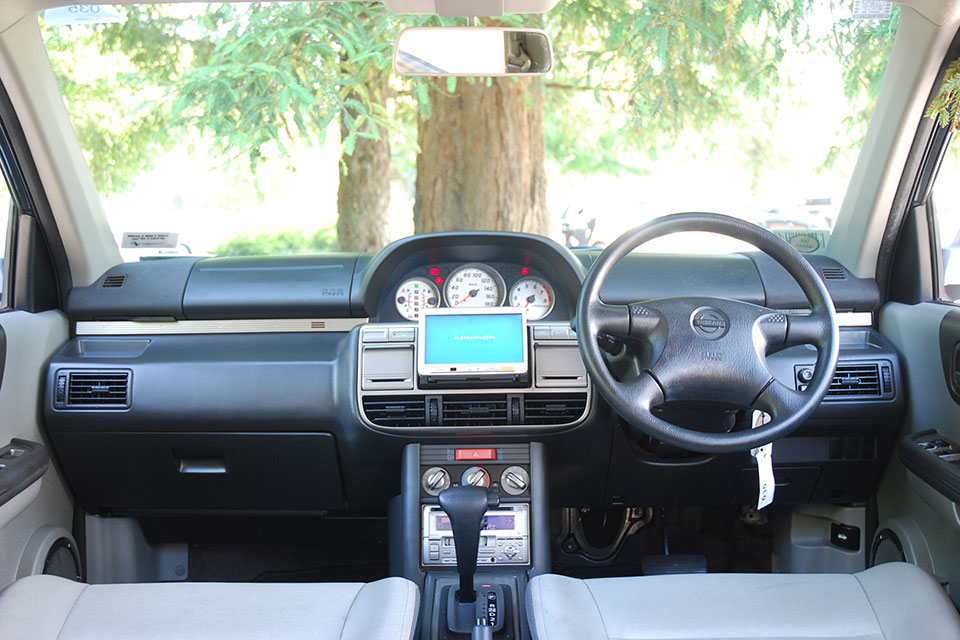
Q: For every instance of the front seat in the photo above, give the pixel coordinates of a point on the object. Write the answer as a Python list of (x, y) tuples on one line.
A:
[(41, 607), (895, 601)]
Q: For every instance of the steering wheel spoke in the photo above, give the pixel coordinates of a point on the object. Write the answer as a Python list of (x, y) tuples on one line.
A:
[(643, 391), (779, 400), (611, 319), (810, 328)]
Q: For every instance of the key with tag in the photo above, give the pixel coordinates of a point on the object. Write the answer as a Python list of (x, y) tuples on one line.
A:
[(764, 457)]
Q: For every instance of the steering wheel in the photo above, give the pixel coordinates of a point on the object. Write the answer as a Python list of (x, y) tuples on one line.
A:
[(707, 349)]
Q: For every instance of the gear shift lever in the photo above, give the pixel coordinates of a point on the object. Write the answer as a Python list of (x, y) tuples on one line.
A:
[(466, 506)]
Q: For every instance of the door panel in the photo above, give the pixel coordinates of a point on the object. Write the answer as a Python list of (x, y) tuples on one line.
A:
[(926, 522), (46, 505)]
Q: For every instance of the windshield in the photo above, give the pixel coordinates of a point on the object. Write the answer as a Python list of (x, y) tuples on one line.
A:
[(257, 129)]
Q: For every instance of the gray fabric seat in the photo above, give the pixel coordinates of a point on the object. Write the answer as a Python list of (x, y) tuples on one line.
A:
[(889, 602), (41, 607)]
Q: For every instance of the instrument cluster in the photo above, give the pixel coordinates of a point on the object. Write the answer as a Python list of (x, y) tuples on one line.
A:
[(475, 285)]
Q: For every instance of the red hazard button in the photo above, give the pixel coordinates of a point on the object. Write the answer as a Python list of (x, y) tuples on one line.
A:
[(475, 454)]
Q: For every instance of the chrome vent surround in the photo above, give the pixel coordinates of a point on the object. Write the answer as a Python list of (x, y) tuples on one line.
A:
[(93, 389), (395, 411), (861, 380), (474, 409), (555, 409), (852, 381), (481, 410)]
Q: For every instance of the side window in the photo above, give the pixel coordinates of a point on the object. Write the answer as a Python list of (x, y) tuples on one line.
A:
[(6, 213), (946, 206)]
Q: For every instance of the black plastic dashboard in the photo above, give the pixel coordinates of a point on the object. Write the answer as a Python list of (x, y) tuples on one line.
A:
[(236, 385)]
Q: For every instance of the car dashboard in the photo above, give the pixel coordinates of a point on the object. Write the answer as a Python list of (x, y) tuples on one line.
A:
[(288, 385)]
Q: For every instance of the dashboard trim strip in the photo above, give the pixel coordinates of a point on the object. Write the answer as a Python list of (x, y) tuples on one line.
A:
[(855, 319), (185, 327)]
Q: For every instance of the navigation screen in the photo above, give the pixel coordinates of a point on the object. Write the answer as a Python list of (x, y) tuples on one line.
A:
[(474, 339)]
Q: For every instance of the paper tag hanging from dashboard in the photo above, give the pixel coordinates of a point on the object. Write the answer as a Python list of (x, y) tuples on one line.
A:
[(764, 457), (83, 14)]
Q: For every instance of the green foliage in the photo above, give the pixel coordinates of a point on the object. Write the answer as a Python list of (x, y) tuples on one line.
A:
[(945, 107), (862, 47), (284, 71), (121, 119), (284, 242), (252, 79), (670, 67)]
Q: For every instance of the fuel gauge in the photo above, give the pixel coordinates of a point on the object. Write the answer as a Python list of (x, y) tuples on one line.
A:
[(416, 294)]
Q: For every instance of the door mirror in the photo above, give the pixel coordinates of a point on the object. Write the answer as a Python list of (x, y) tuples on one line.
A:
[(472, 51)]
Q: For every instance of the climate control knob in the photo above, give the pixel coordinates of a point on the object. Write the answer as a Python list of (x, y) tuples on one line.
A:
[(475, 477), (435, 480), (515, 480)]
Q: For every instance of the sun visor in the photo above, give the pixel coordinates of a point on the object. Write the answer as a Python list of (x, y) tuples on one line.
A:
[(469, 8)]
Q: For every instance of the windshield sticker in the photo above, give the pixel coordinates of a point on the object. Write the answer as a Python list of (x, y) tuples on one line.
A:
[(871, 10), (804, 241), (83, 14), (158, 240)]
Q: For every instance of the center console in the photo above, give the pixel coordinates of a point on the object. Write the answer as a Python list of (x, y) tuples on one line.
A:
[(471, 524), (513, 535), (401, 388)]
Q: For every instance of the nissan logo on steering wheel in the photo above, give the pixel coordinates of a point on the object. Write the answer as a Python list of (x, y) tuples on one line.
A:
[(709, 323)]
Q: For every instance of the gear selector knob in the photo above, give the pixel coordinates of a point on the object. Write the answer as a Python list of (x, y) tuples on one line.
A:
[(466, 506)]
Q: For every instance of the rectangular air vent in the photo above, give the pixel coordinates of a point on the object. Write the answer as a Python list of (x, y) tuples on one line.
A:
[(474, 410), (93, 389), (553, 409), (114, 282), (833, 273), (394, 411), (861, 380)]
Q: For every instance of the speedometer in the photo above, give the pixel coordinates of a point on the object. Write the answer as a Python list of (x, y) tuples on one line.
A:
[(534, 295), (416, 294), (474, 285)]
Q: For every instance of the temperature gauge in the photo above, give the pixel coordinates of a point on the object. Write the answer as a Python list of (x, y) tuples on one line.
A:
[(533, 294), (416, 294)]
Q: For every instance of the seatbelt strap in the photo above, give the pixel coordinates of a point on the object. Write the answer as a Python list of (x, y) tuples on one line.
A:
[(764, 457)]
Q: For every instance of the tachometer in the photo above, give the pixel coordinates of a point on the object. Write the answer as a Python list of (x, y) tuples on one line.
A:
[(474, 285), (533, 294), (416, 294)]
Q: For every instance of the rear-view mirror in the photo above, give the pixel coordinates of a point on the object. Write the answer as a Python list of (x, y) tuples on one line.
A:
[(472, 51)]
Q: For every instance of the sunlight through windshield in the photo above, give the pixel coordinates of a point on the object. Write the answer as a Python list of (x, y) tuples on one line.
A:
[(252, 129)]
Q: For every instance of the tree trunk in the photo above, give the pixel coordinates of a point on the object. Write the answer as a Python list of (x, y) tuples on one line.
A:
[(363, 197), (481, 161)]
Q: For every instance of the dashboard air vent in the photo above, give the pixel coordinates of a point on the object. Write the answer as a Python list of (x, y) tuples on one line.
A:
[(93, 389), (861, 380), (395, 411), (833, 273), (554, 409), (114, 282), (474, 410)]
